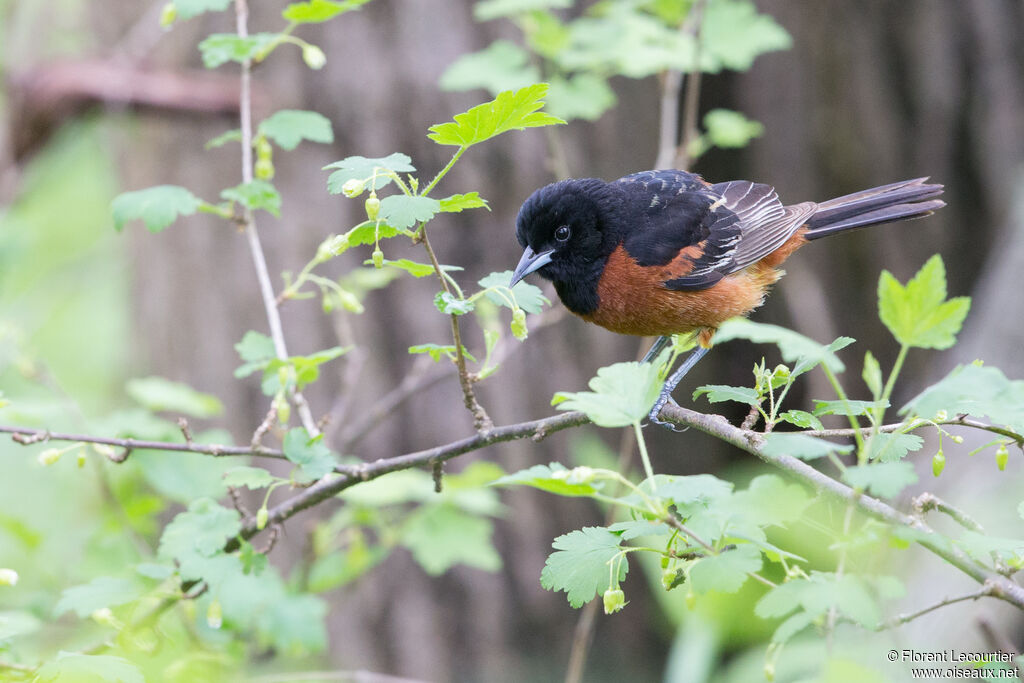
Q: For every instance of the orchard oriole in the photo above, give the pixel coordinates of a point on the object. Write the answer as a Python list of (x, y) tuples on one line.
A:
[(665, 252)]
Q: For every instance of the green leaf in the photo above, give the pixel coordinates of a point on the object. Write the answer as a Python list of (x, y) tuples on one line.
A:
[(252, 562), (801, 418), (187, 9), (221, 48), (401, 211), (883, 479), (311, 455), (485, 10), (362, 168), (197, 534), (306, 369), (890, 447), (289, 127), (500, 66), (580, 565), (801, 446), (872, 374), (770, 500), (584, 96), (974, 390), (71, 667), (528, 297), (317, 11), (157, 207), (452, 305), (437, 350), (441, 536), (249, 477), (342, 567), (848, 407), (255, 194), (553, 478), (792, 345), (734, 34), (622, 394), (224, 138), (918, 314), (257, 350), (719, 392), (510, 110), (159, 394), (727, 571), (369, 232), (15, 623), (730, 129), (982, 547), (103, 591), (294, 624), (457, 203), (413, 268)]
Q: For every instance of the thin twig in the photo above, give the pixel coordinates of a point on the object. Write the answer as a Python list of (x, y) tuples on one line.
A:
[(986, 590), (249, 222), (929, 501)]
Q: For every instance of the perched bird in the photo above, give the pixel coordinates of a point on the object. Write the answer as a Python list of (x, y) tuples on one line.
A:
[(665, 252)]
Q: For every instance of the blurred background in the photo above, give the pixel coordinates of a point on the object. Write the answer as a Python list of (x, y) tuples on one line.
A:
[(97, 99)]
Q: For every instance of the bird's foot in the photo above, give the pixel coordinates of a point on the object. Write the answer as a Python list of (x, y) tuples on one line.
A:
[(663, 398)]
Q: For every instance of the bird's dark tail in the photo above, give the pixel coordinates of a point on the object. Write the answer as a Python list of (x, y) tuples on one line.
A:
[(886, 204)]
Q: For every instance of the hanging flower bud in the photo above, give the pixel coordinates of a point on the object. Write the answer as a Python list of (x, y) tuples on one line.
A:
[(614, 600), (314, 57), (938, 463)]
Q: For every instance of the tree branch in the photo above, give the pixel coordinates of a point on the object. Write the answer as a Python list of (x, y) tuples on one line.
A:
[(986, 590), (929, 501)]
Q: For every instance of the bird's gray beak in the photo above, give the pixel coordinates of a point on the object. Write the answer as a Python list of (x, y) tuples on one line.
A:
[(530, 262)]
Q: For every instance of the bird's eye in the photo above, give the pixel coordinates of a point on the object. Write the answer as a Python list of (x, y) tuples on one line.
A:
[(562, 233)]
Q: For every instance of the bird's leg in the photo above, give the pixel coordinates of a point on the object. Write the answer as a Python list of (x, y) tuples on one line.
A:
[(670, 384), (659, 345)]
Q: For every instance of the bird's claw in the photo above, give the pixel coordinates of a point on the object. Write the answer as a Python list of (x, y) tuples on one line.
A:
[(665, 397)]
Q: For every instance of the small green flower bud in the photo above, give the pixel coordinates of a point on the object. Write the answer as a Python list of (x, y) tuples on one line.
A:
[(580, 475), (691, 600), (104, 450), (261, 518), (1002, 457), (957, 438), (941, 415), (353, 187), (49, 456), (668, 579), (372, 206), (518, 326), (378, 258), (214, 615), (614, 600), (81, 458), (327, 303), (104, 617), (314, 57), (264, 169), (938, 463), (350, 302), (168, 15), (8, 577), (769, 671)]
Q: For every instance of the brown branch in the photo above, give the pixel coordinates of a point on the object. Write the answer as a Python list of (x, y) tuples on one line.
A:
[(26, 436), (986, 590), (751, 442), (929, 501)]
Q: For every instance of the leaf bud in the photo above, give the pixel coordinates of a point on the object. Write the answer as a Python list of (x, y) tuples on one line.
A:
[(614, 600)]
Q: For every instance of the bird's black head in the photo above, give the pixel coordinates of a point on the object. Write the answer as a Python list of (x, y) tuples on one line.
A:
[(566, 231)]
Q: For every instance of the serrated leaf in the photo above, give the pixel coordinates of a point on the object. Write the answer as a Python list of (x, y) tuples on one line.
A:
[(159, 394), (974, 390), (311, 455), (510, 110), (103, 591), (502, 65), (342, 567), (317, 11), (528, 297), (982, 547), (224, 138), (250, 477), (580, 564), (435, 351), (918, 314), (872, 374), (717, 393), (157, 207), (289, 127), (727, 571), (401, 211), (152, 570), (413, 268), (584, 96), (734, 34), (848, 407), (306, 369), (770, 500), (458, 203), (890, 447), (186, 9), (622, 394), (72, 667), (441, 536), (221, 48), (801, 446), (793, 346), (257, 350), (294, 624), (362, 168), (801, 418), (882, 479), (640, 528), (452, 305), (369, 232), (255, 194), (485, 10), (553, 478), (201, 531)]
